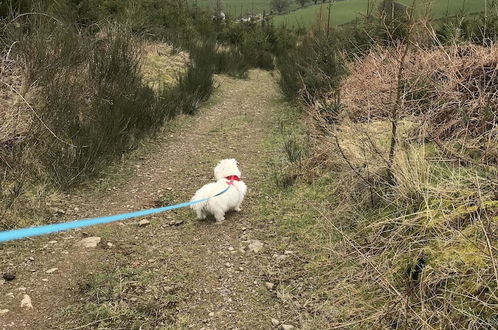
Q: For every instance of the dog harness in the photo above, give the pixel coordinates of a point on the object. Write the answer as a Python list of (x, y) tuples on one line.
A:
[(232, 178)]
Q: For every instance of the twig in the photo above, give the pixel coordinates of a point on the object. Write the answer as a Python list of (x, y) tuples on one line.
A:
[(34, 14), (488, 243)]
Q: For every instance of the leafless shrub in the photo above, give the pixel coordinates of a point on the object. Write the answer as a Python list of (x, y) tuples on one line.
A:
[(452, 91)]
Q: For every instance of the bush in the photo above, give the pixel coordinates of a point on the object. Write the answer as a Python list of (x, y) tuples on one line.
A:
[(88, 116), (197, 84), (313, 69), (480, 29), (256, 43)]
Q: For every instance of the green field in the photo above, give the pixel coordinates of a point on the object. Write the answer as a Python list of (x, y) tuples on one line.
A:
[(238, 8), (347, 10)]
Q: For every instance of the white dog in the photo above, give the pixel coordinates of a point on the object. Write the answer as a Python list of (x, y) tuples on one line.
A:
[(226, 174)]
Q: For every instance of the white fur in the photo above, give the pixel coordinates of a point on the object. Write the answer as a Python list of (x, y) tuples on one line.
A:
[(230, 200)]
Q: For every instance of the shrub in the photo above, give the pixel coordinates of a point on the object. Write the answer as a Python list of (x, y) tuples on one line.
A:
[(88, 115), (197, 84), (480, 29), (313, 69), (280, 5)]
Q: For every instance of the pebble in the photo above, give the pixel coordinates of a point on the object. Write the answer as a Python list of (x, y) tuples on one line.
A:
[(269, 285), (26, 302), (143, 223), (45, 279), (211, 314), (51, 270), (176, 222), (8, 276), (109, 244), (89, 242), (255, 246), (286, 327), (230, 248), (275, 322)]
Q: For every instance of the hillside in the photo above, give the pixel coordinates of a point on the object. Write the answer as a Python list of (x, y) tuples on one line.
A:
[(370, 153), (346, 11)]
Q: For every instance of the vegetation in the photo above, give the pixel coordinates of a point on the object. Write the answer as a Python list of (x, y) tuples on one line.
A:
[(69, 114), (386, 177), (280, 5), (399, 171)]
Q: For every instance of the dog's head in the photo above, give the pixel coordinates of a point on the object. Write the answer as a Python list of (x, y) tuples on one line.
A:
[(225, 168)]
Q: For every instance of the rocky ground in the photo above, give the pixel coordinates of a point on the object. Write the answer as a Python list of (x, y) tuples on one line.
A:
[(167, 271)]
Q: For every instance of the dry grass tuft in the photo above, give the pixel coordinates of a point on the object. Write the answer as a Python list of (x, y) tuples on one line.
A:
[(162, 64)]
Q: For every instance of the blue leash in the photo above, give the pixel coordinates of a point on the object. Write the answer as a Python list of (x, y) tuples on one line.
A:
[(11, 235)]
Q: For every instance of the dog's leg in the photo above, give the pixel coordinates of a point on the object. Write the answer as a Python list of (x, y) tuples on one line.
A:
[(219, 215), (201, 214), (237, 207)]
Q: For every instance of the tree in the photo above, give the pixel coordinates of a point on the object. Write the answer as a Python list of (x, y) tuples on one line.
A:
[(280, 5), (303, 2)]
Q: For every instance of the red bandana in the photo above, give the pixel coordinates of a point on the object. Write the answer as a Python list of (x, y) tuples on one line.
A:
[(232, 178)]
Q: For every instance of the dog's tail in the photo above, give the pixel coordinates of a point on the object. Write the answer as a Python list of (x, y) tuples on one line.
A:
[(200, 205)]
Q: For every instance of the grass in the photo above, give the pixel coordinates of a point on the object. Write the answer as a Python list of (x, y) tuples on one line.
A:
[(404, 244), (365, 259), (345, 11), (123, 295)]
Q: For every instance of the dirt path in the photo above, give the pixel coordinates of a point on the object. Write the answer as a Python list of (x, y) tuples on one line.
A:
[(176, 272)]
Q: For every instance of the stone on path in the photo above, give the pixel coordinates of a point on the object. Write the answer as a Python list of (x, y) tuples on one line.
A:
[(143, 223), (255, 246), (286, 327), (51, 270), (9, 276), (89, 242), (26, 302)]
